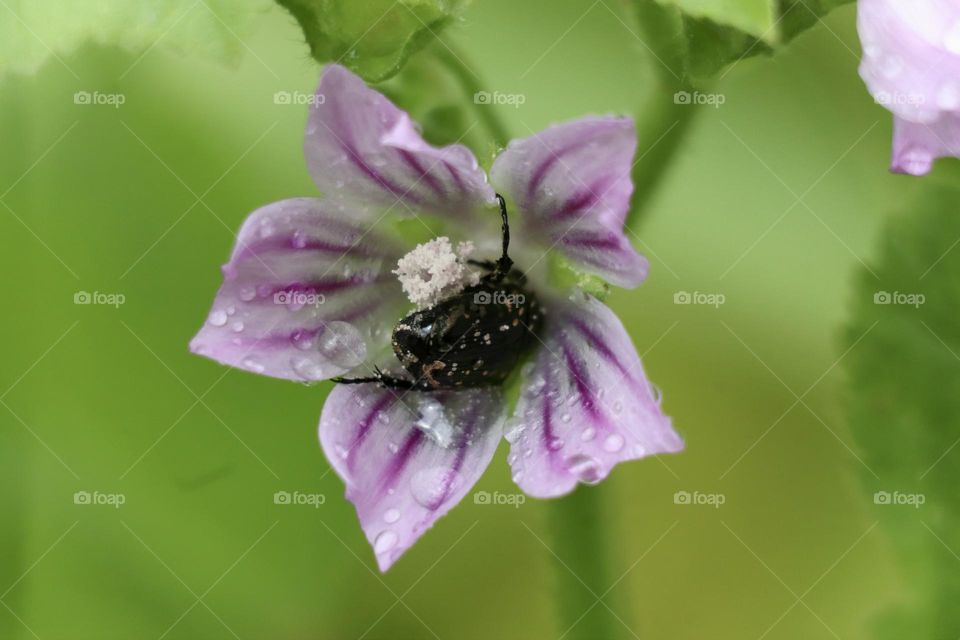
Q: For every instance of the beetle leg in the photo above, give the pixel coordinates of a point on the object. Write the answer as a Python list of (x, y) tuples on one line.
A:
[(504, 263), (385, 380)]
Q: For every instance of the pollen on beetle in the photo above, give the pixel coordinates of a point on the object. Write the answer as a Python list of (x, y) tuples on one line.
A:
[(433, 271)]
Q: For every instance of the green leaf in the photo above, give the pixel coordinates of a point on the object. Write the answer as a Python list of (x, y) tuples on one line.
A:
[(33, 31), (904, 406), (703, 36), (373, 37)]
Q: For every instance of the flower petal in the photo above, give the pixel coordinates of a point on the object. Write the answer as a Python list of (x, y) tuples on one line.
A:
[(572, 185), (911, 56), (916, 145), (306, 295), (407, 459), (363, 150), (586, 406)]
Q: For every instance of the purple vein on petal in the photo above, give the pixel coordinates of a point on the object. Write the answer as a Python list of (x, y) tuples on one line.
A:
[(456, 177), (598, 344), (580, 376), (587, 240), (327, 285), (289, 242), (401, 458), (382, 404), (587, 197), (540, 173), (421, 172)]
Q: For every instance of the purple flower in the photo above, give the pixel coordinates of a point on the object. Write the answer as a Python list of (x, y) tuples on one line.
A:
[(911, 64), (309, 294)]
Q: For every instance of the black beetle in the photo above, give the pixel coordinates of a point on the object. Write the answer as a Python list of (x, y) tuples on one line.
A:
[(474, 338)]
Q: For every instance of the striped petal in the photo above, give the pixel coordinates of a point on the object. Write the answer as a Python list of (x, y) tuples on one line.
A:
[(363, 150), (586, 405), (408, 459), (572, 186), (306, 295)]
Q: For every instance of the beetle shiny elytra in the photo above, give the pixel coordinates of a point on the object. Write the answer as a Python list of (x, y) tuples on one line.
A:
[(474, 338)]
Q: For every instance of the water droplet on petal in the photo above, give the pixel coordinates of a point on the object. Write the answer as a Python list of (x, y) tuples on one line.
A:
[(384, 541), (247, 293), (555, 444), (949, 96), (302, 339), (565, 417), (253, 365), (586, 468), (951, 40), (307, 368), (430, 487), (218, 318), (237, 326), (391, 516), (588, 434), (299, 239), (343, 345), (613, 443), (513, 431)]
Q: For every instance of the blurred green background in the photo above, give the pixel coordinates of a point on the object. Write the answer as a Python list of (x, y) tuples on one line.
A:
[(776, 202)]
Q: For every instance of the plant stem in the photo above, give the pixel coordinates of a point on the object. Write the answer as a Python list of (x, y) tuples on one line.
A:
[(576, 525), (470, 84), (664, 120)]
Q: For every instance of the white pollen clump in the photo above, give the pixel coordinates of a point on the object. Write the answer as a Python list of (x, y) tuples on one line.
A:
[(433, 271)]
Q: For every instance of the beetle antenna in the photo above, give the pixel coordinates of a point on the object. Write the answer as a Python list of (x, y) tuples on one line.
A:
[(504, 264)]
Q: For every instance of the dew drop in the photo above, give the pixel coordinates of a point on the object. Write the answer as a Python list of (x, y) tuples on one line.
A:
[(565, 417), (302, 340), (299, 239), (588, 434), (430, 487), (586, 468), (513, 431), (343, 345), (307, 368), (613, 443), (949, 96), (247, 293), (384, 541), (951, 40), (253, 365), (391, 516), (237, 326), (218, 318), (555, 444)]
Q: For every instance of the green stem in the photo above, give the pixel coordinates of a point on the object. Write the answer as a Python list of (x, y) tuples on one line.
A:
[(576, 524), (664, 120), (661, 129), (470, 84)]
